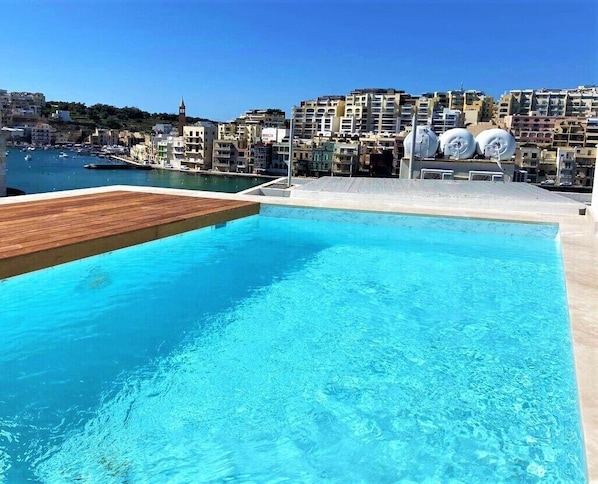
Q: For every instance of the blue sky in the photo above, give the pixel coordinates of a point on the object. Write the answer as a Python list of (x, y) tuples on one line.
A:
[(227, 56)]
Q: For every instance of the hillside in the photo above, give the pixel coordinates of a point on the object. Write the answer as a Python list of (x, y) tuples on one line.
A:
[(88, 118)]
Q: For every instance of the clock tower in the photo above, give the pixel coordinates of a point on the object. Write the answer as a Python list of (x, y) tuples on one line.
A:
[(181, 117)]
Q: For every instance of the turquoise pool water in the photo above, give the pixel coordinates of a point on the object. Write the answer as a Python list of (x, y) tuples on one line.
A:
[(300, 346)]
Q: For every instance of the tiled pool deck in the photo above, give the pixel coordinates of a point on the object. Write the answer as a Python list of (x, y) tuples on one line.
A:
[(485, 200)]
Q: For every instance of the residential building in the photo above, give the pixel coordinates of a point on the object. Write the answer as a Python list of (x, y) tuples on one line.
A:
[(63, 116), (176, 152), (227, 156), (322, 154), (591, 132), (266, 118), (41, 134), (527, 158), (104, 137), (24, 108), (374, 111), (569, 132), (260, 157), (280, 158), (162, 128), (566, 166), (376, 153), (199, 139), (585, 161), (475, 105), (345, 159), (582, 101), (302, 156), (140, 152), (321, 116), (531, 129), (445, 119)]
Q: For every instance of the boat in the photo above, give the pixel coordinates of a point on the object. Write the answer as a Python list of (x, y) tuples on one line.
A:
[(27, 157), (114, 166), (63, 155)]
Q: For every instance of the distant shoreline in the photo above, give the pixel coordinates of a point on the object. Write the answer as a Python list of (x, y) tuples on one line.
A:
[(131, 161)]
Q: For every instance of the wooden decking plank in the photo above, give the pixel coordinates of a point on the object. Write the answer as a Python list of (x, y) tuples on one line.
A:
[(38, 234)]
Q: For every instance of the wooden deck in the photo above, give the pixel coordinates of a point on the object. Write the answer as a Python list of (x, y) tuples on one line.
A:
[(39, 234)]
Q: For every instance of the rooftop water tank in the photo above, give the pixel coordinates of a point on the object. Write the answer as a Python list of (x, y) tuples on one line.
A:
[(458, 144), (496, 142), (426, 143)]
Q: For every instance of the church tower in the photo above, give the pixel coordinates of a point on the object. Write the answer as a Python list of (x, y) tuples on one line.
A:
[(181, 117)]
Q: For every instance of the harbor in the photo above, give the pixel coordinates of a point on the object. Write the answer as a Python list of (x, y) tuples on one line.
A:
[(46, 170)]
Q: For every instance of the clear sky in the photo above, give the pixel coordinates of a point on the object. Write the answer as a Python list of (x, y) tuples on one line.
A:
[(227, 56)]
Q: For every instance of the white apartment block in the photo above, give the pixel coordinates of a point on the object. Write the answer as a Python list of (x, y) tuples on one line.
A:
[(171, 151), (199, 139), (446, 119), (319, 116)]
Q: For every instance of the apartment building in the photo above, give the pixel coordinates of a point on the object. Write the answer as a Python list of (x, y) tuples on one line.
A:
[(302, 156), (445, 119), (532, 129), (260, 157), (375, 111), (227, 156), (527, 158), (376, 153), (41, 134), (170, 151), (22, 107), (474, 106), (199, 139), (322, 154), (102, 137), (320, 116), (266, 118), (566, 166), (585, 161), (582, 101), (569, 132), (591, 132), (345, 159), (280, 158)]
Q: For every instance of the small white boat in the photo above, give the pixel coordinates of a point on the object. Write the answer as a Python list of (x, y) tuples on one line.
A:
[(63, 155), (27, 157)]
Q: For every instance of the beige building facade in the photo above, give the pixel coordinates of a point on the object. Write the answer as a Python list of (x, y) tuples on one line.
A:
[(321, 116), (198, 144)]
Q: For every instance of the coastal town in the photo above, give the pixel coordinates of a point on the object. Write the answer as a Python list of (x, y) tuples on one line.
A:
[(364, 133)]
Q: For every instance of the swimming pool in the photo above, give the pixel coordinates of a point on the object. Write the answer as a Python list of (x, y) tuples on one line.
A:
[(300, 344)]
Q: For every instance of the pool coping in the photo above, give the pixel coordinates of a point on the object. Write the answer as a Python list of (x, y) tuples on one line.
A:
[(579, 247)]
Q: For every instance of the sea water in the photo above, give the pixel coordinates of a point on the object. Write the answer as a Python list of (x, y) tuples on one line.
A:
[(299, 346), (46, 172)]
